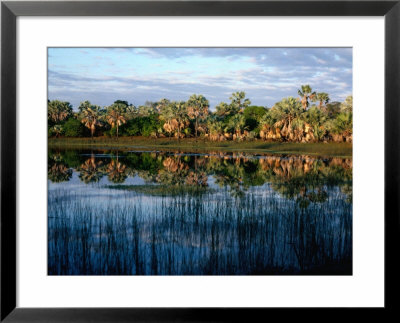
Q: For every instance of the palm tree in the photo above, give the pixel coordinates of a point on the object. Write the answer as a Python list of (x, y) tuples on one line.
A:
[(58, 110), (342, 124), (316, 119), (306, 94), (224, 109), (146, 110), (347, 105), (197, 108), (239, 101), (168, 116), (215, 127), (131, 111), (57, 130), (162, 104), (267, 119), (90, 116), (116, 115), (180, 111), (237, 122), (287, 113), (266, 123), (322, 97)]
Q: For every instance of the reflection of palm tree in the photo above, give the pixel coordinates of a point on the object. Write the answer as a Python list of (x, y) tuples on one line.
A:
[(167, 178), (348, 190), (305, 180), (59, 172), (116, 171), (196, 179), (320, 196), (304, 199), (174, 165), (302, 180), (232, 177), (174, 172), (130, 172), (90, 171), (147, 176)]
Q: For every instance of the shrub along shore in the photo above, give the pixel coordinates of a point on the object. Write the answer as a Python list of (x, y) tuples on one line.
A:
[(309, 118)]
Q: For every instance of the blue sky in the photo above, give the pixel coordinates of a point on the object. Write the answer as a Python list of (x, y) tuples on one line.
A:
[(103, 75)]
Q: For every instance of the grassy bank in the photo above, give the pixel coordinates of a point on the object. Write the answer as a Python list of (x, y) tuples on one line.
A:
[(319, 149)]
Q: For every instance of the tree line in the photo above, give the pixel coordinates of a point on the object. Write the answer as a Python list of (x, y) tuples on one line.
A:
[(308, 118)]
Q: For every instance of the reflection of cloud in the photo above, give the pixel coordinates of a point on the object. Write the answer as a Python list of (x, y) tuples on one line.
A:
[(102, 75)]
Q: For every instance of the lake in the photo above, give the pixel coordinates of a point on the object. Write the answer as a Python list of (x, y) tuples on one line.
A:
[(216, 213)]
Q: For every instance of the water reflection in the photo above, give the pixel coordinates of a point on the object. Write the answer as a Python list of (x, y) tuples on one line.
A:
[(173, 213)]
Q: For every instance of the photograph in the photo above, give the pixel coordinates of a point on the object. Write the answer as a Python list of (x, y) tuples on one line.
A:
[(171, 161)]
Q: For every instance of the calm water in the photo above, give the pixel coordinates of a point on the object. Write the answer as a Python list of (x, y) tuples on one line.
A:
[(175, 213)]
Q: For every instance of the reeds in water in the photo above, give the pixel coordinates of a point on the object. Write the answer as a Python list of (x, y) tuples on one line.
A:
[(207, 234)]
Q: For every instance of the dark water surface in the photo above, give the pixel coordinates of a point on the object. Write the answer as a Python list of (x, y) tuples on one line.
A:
[(174, 213)]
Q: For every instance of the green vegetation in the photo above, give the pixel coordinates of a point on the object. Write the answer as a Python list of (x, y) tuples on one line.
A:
[(163, 190), (191, 144), (310, 118), (74, 128)]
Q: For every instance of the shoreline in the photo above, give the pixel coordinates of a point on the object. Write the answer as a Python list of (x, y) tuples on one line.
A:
[(331, 149)]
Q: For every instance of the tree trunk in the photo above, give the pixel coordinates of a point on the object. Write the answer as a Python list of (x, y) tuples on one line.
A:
[(304, 102), (117, 130)]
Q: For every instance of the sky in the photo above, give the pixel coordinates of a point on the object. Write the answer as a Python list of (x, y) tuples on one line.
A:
[(137, 75)]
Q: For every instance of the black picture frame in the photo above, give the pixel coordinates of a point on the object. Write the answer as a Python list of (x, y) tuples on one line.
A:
[(10, 10)]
